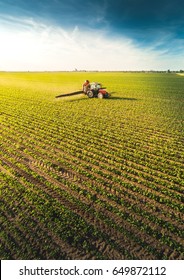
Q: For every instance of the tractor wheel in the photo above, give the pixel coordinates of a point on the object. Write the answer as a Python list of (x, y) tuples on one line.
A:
[(100, 95), (90, 94)]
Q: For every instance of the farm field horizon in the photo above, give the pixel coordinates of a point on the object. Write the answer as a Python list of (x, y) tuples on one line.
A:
[(85, 178)]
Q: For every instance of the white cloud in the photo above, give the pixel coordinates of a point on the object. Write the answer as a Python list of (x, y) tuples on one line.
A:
[(30, 45)]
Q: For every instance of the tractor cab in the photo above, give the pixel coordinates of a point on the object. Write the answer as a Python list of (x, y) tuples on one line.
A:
[(95, 86)]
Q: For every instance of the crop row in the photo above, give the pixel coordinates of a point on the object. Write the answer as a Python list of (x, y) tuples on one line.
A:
[(41, 155), (106, 206), (118, 141), (124, 156), (132, 145), (129, 234), (91, 179), (104, 161)]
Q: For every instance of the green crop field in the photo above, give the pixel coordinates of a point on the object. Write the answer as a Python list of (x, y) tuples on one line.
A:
[(85, 178)]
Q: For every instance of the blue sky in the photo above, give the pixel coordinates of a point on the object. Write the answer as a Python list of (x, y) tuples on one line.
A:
[(52, 35)]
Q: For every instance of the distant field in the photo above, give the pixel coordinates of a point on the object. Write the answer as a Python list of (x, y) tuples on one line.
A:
[(92, 178)]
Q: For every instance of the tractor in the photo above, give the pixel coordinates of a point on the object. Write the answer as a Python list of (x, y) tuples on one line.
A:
[(93, 89), (96, 90)]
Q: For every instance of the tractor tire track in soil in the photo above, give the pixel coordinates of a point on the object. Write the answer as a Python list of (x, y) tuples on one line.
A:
[(103, 227), (75, 209), (132, 168), (74, 175), (56, 182), (61, 153)]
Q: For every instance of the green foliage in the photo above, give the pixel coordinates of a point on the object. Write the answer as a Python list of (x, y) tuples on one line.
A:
[(91, 178)]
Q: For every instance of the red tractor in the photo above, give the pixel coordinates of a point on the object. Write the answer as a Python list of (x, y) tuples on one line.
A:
[(91, 90)]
